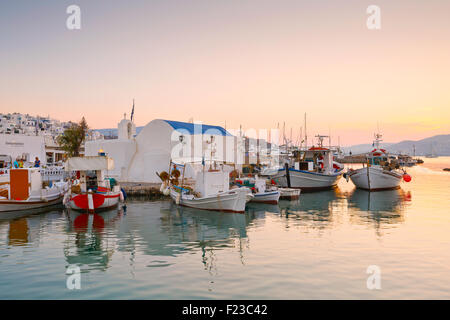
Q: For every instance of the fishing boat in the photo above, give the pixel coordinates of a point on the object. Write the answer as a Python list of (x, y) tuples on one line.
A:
[(24, 190), (380, 173), (312, 169), (208, 190), (92, 191), (260, 189), (406, 160)]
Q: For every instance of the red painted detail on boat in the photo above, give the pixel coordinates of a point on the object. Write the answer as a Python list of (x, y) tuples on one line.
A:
[(317, 149), (81, 200), (99, 199), (99, 209), (111, 196), (102, 189)]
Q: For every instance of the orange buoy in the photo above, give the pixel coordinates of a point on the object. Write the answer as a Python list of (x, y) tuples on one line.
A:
[(407, 177)]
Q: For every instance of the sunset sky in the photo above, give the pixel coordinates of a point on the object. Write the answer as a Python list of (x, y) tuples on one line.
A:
[(250, 62)]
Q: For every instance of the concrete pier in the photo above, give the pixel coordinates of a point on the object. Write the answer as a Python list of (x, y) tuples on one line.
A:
[(143, 190)]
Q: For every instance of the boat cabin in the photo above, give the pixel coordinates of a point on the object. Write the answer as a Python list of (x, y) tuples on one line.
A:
[(91, 172), (23, 184), (316, 159), (203, 178), (377, 157)]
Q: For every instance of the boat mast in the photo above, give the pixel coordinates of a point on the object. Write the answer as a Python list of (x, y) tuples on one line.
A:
[(377, 140), (306, 135)]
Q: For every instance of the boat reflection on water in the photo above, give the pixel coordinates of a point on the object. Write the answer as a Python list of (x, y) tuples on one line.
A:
[(314, 210), (258, 211), (23, 228), (159, 229), (380, 207), (11, 215), (183, 229), (88, 243)]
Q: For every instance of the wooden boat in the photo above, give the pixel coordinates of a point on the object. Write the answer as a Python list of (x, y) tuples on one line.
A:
[(92, 192), (380, 172), (24, 191), (210, 189)]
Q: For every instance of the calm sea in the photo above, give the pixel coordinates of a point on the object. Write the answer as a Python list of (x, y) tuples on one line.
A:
[(319, 247)]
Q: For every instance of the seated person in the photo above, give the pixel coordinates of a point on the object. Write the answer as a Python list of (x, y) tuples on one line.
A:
[(37, 163)]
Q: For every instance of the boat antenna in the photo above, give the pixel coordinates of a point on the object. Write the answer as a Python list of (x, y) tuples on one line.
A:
[(306, 135), (329, 137), (290, 139)]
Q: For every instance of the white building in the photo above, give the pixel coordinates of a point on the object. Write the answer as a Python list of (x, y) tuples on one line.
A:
[(22, 135), (23, 146), (138, 158)]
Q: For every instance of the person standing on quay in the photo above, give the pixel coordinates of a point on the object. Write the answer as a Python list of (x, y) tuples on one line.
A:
[(16, 163)]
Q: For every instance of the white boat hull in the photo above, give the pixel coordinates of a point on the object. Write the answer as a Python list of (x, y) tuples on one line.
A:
[(374, 178), (270, 197), (309, 181), (230, 201), (18, 205)]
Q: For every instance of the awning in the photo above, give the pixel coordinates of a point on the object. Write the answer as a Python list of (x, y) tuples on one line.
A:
[(89, 163)]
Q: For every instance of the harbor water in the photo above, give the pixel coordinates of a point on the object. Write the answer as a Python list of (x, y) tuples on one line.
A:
[(319, 247)]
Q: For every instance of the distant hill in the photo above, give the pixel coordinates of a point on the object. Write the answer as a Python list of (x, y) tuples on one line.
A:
[(440, 144)]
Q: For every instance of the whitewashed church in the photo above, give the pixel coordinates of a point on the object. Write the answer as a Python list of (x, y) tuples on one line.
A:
[(137, 158)]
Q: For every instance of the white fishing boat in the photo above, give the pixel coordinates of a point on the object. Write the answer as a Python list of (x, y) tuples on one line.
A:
[(380, 173), (209, 190), (406, 160), (259, 188), (93, 192), (310, 170), (24, 190)]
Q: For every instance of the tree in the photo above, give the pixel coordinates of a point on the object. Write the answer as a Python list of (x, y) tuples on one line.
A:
[(72, 139)]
